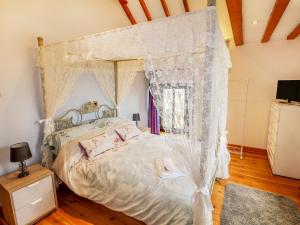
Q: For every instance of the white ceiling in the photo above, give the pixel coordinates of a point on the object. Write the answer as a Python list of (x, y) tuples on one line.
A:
[(259, 10)]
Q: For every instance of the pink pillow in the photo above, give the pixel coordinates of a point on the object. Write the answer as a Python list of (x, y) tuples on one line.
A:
[(128, 131)]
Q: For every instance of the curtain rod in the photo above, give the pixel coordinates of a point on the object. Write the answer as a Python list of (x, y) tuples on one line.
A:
[(41, 44)]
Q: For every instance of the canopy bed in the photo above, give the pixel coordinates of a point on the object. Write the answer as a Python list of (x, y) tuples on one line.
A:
[(185, 52)]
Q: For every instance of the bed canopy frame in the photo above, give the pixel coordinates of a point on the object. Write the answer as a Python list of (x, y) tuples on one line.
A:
[(186, 50)]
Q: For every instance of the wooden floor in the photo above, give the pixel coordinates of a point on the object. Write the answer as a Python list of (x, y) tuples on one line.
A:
[(253, 171)]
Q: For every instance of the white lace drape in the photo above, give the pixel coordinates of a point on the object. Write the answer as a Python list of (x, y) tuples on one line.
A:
[(202, 72), (127, 72), (104, 73), (58, 83), (186, 52), (223, 155)]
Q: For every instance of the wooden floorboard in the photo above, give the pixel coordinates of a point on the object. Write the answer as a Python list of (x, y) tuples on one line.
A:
[(252, 171)]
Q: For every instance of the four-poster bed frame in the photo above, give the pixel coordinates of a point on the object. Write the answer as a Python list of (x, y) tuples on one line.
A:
[(190, 51)]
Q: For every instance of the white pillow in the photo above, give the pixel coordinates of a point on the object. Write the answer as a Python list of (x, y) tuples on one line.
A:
[(116, 139), (127, 131), (97, 145)]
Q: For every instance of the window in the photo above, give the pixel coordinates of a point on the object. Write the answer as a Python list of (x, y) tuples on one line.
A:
[(175, 108)]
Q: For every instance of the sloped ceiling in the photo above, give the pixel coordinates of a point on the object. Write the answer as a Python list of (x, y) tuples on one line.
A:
[(176, 7), (260, 10), (252, 10)]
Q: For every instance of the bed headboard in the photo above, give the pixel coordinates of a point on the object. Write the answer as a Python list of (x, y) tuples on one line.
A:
[(74, 117)]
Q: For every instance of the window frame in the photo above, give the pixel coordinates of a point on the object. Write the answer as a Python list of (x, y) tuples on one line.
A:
[(188, 88)]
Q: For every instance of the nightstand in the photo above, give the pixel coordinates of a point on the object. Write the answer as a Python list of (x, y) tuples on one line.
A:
[(26, 200)]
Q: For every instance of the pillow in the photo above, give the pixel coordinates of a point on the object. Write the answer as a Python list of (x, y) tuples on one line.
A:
[(108, 121), (96, 145), (63, 137), (63, 124), (127, 131), (117, 140), (108, 113)]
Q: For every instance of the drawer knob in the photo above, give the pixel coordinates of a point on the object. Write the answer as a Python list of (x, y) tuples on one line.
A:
[(36, 201)]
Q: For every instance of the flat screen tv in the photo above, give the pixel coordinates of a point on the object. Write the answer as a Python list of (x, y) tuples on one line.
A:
[(288, 90)]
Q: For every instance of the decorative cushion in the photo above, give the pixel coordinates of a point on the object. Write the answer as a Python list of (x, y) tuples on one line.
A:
[(117, 140), (97, 145), (128, 131)]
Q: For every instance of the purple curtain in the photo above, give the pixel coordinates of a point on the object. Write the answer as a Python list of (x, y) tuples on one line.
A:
[(153, 117)]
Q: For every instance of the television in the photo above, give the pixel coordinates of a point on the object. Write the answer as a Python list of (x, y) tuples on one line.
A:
[(288, 90)]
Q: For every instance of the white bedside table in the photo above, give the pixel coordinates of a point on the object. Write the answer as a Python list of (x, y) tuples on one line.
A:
[(26, 200)]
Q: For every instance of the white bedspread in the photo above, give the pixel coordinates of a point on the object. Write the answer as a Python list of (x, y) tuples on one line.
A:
[(126, 180)]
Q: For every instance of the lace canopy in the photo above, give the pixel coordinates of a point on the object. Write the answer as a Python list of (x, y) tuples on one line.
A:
[(185, 52)]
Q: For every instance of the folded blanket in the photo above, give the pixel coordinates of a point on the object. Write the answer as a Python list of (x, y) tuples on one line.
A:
[(167, 169)]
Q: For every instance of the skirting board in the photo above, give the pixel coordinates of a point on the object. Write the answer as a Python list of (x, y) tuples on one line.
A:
[(259, 151)]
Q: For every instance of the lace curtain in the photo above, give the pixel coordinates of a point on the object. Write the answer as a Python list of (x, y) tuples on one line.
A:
[(188, 50), (105, 75), (58, 83), (223, 155), (127, 72)]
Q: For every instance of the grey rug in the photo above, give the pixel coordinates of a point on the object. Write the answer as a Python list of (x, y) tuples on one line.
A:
[(246, 206)]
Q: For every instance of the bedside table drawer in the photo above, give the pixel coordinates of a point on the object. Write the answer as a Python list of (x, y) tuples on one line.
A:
[(35, 209), (32, 192)]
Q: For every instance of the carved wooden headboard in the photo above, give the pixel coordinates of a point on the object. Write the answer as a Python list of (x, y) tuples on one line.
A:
[(74, 117)]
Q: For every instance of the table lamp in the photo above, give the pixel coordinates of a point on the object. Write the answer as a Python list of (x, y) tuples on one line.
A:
[(136, 117), (19, 153)]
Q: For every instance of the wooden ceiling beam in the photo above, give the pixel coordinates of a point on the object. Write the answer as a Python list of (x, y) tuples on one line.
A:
[(165, 7), (124, 4), (277, 12), (145, 9), (236, 19), (186, 5), (295, 33)]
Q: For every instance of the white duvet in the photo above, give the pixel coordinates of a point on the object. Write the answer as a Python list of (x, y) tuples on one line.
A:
[(126, 180)]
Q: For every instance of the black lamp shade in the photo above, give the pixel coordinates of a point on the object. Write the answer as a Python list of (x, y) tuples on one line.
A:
[(20, 152), (136, 117)]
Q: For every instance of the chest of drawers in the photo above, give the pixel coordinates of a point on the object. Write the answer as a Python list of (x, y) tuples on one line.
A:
[(283, 145), (26, 200)]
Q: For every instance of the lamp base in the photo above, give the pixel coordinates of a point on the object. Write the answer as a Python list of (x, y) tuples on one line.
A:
[(23, 174), (23, 170)]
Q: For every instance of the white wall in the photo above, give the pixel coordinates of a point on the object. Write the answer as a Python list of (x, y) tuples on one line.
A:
[(20, 23), (262, 65), (136, 102)]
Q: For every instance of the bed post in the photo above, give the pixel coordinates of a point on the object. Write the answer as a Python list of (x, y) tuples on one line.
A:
[(116, 84), (40, 41)]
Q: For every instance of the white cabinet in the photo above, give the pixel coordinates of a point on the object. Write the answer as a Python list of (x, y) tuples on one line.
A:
[(284, 139)]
